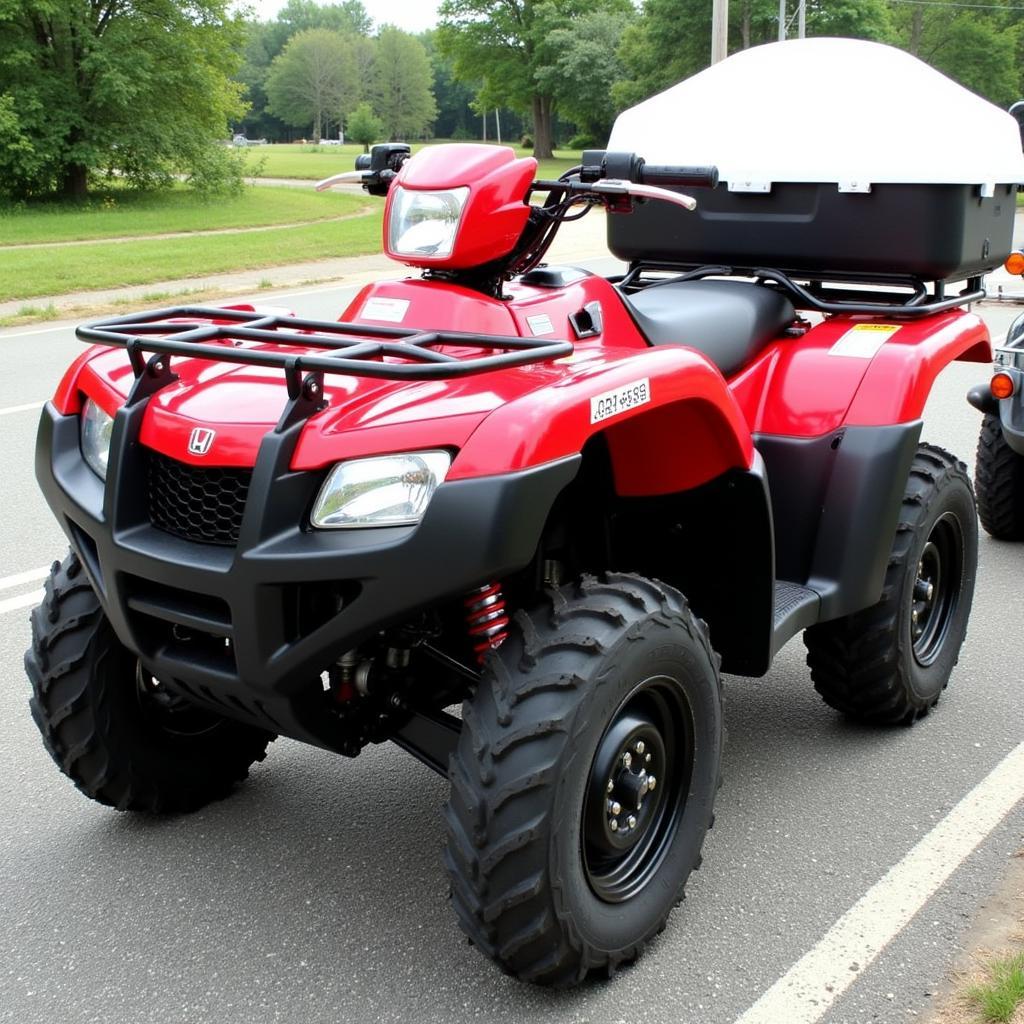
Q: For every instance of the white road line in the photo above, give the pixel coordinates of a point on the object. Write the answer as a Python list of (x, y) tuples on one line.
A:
[(69, 325), (21, 601), (20, 578), (804, 994), (21, 408)]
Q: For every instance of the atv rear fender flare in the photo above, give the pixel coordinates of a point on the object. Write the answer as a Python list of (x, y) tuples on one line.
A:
[(682, 427), (834, 377)]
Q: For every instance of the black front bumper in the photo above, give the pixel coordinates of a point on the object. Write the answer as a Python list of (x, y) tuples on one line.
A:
[(258, 655)]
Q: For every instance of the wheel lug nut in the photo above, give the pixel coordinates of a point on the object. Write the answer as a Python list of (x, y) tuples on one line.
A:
[(639, 748), (651, 783), (647, 759), (615, 807), (611, 785), (631, 821), (627, 759), (613, 824), (914, 616)]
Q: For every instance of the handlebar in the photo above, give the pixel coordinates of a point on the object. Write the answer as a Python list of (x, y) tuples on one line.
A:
[(598, 164), (665, 174)]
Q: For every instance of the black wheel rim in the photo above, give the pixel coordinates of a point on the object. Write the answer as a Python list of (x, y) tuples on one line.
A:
[(936, 591), (629, 823), (168, 713)]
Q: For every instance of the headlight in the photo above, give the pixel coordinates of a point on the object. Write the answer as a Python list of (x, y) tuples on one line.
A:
[(425, 223), (97, 428), (390, 490)]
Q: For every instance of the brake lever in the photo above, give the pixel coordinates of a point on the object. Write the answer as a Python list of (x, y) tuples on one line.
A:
[(618, 187), (345, 176)]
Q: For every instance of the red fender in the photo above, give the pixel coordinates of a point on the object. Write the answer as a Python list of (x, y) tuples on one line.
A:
[(806, 387), (688, 431)]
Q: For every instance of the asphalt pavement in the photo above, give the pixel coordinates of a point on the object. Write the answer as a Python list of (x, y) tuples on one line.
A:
[(315, 893)]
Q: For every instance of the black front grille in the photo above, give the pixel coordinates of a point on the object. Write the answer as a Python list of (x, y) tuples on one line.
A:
[(198, 503)]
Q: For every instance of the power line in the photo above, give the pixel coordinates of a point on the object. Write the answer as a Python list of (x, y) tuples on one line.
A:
[(954, 3)]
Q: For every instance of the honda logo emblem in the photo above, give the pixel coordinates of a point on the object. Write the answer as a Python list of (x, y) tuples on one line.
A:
[(200, 441)]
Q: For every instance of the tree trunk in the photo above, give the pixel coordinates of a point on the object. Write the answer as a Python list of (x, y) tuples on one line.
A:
[(916, 30), (745, 25), (75, 182), (542, 141)]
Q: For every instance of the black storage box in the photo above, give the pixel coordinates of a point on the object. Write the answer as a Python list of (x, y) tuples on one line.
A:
[(836, 157), (935, 232)]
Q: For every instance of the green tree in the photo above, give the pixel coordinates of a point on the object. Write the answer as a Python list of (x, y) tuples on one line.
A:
[(105, 84), (582, 61), (402, 80), (313, 80), (364, 126), (976, 47), (501, 43), (348, 18)]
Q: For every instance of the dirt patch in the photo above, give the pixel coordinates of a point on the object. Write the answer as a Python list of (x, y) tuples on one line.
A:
[(997, 931)]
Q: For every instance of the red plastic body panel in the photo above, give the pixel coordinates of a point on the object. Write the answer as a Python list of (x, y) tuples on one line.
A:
[(799, 387), (692, 427), (495, 212)]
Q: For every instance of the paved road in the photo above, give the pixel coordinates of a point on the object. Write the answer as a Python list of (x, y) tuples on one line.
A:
[(316, 892)]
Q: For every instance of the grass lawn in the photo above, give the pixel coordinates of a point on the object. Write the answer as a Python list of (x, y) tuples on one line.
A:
[(121, 212), (316, 162), (54, 270)]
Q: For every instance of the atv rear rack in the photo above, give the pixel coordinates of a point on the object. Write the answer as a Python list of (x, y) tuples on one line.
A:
[(817, 296), (359, 350)]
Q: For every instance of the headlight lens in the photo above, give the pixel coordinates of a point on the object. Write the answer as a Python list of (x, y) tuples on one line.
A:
[(390, 490), (97, 428), (425, 223)]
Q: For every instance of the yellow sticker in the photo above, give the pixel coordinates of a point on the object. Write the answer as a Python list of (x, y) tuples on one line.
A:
[(862, 341)]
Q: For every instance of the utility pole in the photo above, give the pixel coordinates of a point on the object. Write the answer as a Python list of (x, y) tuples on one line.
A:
[(497, 123), (782, 20), (802, 20), (719, 30)]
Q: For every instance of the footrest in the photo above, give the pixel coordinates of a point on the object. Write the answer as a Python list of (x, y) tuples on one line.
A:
[(796, 608)]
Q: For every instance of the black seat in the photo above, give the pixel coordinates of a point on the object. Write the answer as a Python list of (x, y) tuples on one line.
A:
[(729, 321)]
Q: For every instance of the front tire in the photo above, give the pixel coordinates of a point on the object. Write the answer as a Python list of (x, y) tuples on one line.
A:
[(109, 726), (999, 479), (890, 663), (564, 856)]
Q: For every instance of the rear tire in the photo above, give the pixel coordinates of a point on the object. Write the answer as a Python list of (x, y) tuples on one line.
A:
[(113, 730), (881, 664), (542, 882), (999, 479)]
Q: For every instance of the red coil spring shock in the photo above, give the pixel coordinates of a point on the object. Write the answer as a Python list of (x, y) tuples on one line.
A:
[(486, 618)]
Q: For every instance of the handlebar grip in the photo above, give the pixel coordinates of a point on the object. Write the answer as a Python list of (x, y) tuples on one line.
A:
[(664, 174)]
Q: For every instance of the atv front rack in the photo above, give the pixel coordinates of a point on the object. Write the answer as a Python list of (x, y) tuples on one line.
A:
[(358, 350), (879, 298)]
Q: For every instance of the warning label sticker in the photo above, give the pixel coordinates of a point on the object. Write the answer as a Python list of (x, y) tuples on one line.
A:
[(863, 341), (391, 311)]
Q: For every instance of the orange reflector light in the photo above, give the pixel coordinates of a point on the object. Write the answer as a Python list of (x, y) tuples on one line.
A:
[(1002, 385), (1014, 263)]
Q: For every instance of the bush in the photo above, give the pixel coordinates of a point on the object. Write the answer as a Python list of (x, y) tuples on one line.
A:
[(219, 171), (526, 142), (582, 141)]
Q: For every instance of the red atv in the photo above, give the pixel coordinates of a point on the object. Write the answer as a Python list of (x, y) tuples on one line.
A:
[(560, 501), (492, 486)]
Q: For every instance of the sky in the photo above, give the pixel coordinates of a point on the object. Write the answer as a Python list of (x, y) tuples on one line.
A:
[(412, 15)]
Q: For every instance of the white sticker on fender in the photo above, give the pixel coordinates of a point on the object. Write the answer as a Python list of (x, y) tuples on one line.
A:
[(863, 341), (612, 403), (391, 311)]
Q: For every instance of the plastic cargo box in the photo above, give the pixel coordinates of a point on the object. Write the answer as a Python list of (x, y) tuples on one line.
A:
[(835, 156)]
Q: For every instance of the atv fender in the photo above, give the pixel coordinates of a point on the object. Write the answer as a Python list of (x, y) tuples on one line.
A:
[(855, 371), (679, 426)]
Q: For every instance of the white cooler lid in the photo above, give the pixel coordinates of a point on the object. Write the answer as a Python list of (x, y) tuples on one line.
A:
[(824, 110)]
